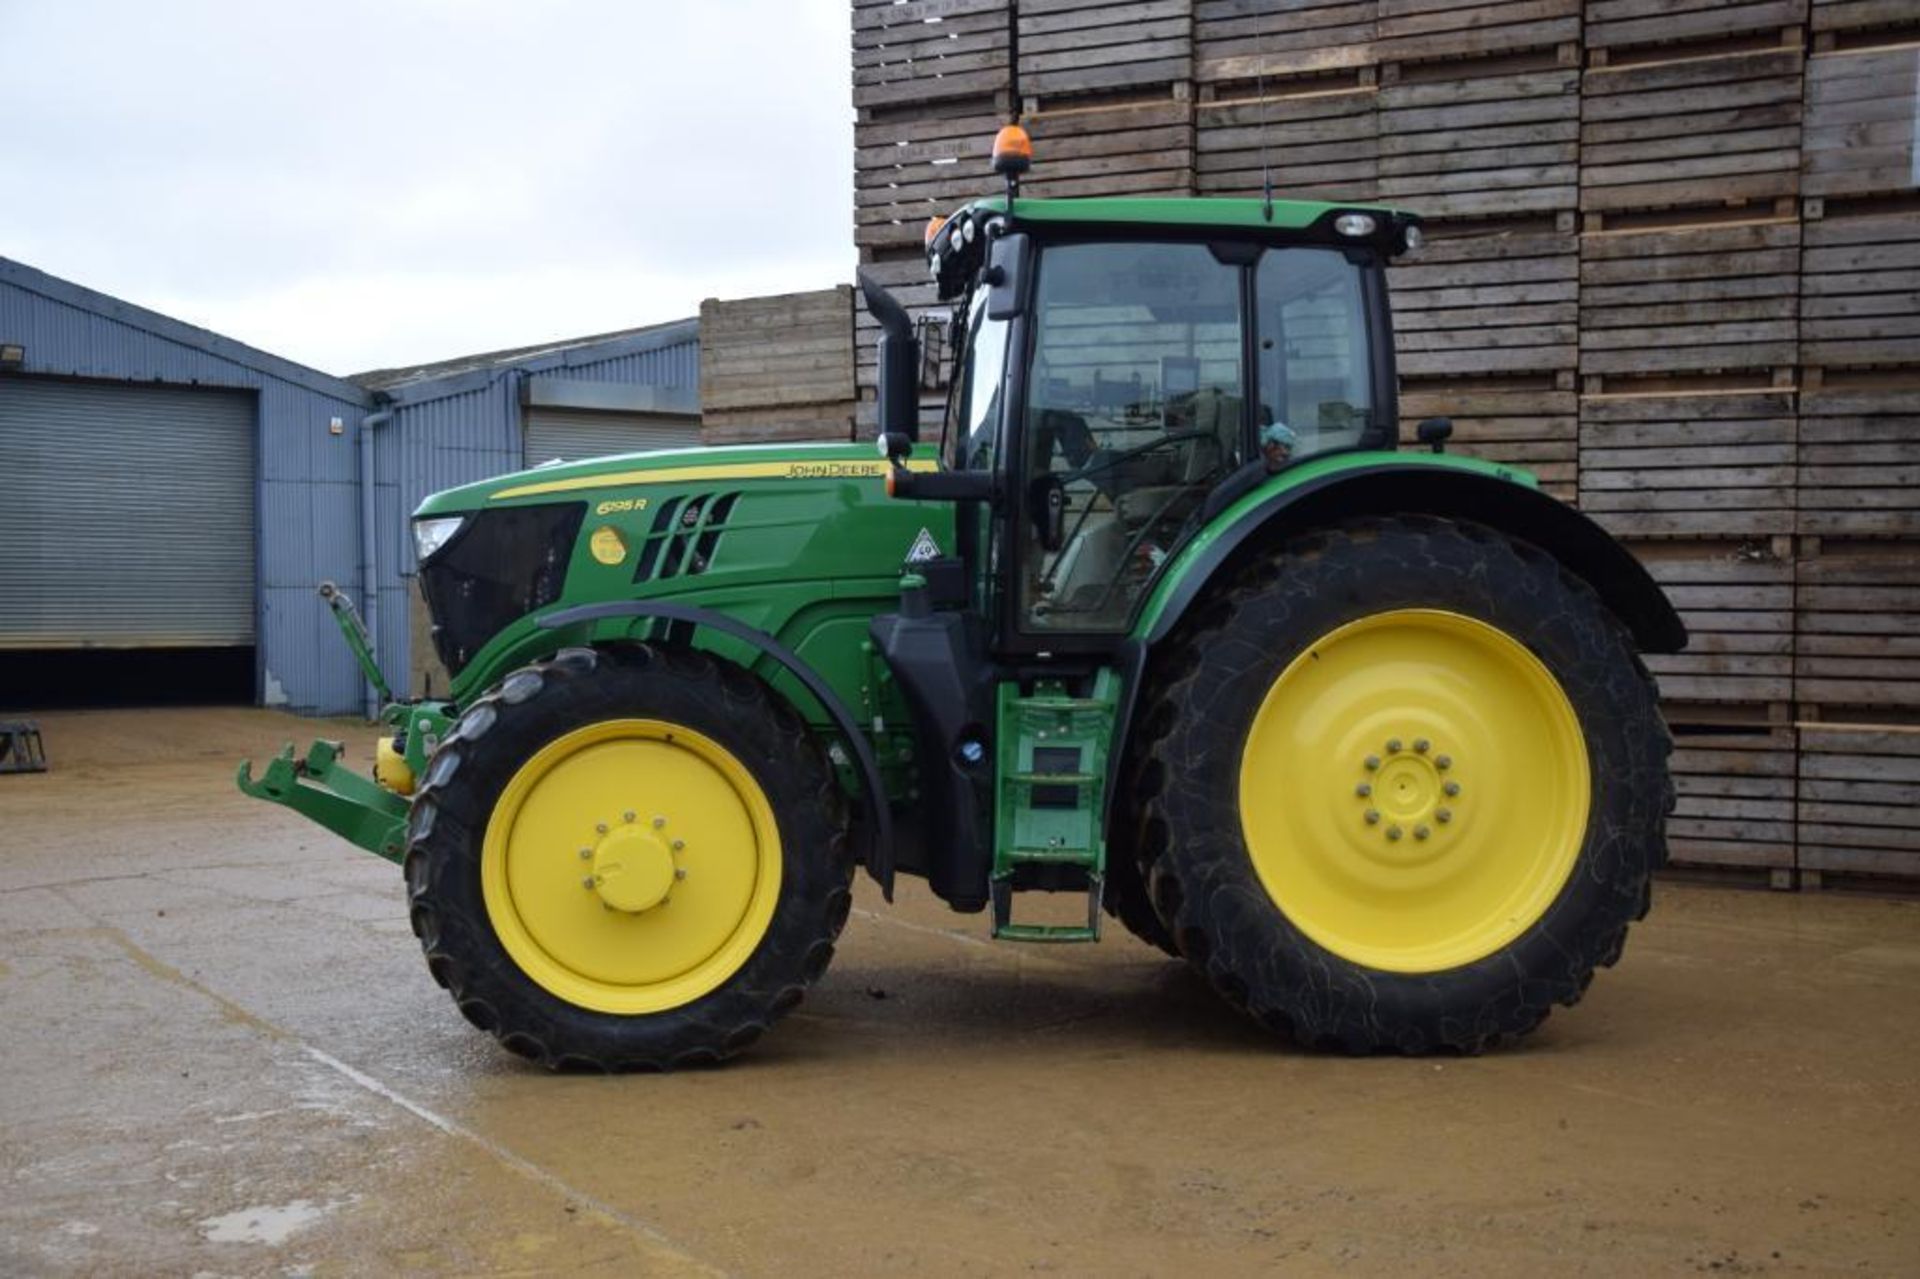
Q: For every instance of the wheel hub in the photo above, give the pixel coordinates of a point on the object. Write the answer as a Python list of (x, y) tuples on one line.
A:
[(633, 869), (1407, 795)]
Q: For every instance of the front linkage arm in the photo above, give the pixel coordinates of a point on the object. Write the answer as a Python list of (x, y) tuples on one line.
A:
[(359, 810)]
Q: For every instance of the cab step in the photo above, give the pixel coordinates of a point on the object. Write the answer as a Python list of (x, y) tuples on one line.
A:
[(1051, 779)]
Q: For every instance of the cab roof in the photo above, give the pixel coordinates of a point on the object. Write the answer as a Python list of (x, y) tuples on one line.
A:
[(1187, 211)]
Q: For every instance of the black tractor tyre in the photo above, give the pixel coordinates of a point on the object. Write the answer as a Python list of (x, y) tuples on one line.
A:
[(1125, 892), (1194, 725), (537, 704)]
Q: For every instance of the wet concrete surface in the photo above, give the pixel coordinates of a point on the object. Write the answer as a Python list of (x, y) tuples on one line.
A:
[(222, 1054)]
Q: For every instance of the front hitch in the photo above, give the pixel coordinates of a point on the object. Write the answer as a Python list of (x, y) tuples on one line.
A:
[(358, 810)]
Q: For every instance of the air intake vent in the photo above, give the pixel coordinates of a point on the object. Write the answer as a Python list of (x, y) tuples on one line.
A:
[(685, 536)]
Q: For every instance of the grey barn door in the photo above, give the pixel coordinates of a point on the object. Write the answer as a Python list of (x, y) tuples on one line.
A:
[(571, 434), (126, 515)]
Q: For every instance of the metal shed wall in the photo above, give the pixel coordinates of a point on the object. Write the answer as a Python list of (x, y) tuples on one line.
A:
[(308, 499)]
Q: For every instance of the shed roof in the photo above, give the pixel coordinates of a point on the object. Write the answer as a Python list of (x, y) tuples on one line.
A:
[(424, 381)]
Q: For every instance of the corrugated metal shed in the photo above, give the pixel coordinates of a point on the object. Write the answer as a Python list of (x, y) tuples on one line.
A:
[(437, 426)]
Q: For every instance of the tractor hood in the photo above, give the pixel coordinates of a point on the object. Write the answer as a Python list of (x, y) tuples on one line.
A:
[(664, 466)]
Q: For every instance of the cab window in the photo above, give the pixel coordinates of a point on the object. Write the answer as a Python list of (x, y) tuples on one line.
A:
[(1136, 409), (1314, 353)]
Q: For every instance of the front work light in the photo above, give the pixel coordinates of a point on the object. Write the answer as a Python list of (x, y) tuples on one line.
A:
[(430, 535), (1355, 224)]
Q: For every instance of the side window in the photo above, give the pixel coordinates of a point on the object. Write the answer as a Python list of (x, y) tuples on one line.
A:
[(1135, 411), (1314, 353), (978, 406)]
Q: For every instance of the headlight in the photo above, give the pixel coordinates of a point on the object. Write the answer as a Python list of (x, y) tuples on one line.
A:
[(1355, 224), (1413, 237), (430, 535)]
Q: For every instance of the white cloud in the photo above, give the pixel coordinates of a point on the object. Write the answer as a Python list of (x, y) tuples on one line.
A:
[(364, 184)]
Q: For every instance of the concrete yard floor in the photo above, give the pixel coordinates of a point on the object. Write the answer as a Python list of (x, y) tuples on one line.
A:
[(222, 1054)]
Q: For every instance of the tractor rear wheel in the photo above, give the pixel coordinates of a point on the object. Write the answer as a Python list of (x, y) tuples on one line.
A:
[(1403, 787), (623, 860)]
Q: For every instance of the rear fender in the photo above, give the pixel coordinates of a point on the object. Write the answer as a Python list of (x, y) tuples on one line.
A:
[(1418, 484)]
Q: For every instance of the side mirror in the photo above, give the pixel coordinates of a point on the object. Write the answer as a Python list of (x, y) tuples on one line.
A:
[(1047, 504), (1005, 276), (899, 372)]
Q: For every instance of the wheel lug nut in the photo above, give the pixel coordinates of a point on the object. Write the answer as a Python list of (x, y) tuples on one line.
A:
[(1393, 746), (1393, 832), (586, 854), (1373, 816), (1421, 745), (680, 873), (587, 882), (601, 827), (1363, 790), (627, 816), (1373, 762), (1443, 762), (679, 844), (1421, 832), (1443, 815), (658, 822), (1451, 788)]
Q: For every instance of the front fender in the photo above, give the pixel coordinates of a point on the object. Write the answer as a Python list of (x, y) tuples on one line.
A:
[(1328, 490)]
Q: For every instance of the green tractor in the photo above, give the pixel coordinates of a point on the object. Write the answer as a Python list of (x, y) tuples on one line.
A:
[(1161, 620)]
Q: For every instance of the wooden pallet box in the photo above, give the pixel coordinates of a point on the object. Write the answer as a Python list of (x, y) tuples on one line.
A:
[(907, 169), (1859, 460), (1070, 47), (1477, 146), (788, 349), (1693, 466), (1488, 304), (1318, 146), (1857, 630), (1528, 422), (1860, 122), (1829, 18), (1734, 802), (930, 50), (1691, 131), (799, 423), (1736, 599), (1418, 30), (1859, 801), (1621, 24), (1245, 41), (1860, 291), (1699, 299), (907, 278), (1139, 149)]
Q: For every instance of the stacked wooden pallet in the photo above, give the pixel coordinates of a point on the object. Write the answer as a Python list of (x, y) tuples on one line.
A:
[(1857, 624), (777, 368), (1072, 48)]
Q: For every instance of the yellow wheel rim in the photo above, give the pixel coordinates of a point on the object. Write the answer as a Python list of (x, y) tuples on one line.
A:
[(1414, 790), (631, 866)]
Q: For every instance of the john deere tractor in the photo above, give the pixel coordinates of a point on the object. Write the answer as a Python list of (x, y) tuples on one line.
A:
[(1160, 618)]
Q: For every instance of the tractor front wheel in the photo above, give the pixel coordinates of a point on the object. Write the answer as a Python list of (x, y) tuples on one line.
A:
[(627, 860), (1402, 788)]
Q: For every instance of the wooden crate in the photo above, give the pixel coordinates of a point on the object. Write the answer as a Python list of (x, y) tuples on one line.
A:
[(1736, 599), (1481, 304), (1249, 40), (906, 169), (1857, 631), (1620, 24), (1734, 798), (1695, 299), (1141, 149), (1697, 466), (791, 348), (1860, 122), (1526, 421), (1859, 802), (1830, 18), (1415, 30), (1481, 145), (1860, 290), (1319, 146), (1859, 459), (930, 50), (907, 278), (1070, 47), (799, 422), (1693, 131)]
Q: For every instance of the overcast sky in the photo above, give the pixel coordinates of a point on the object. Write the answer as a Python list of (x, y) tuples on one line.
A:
[(355, 185)]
